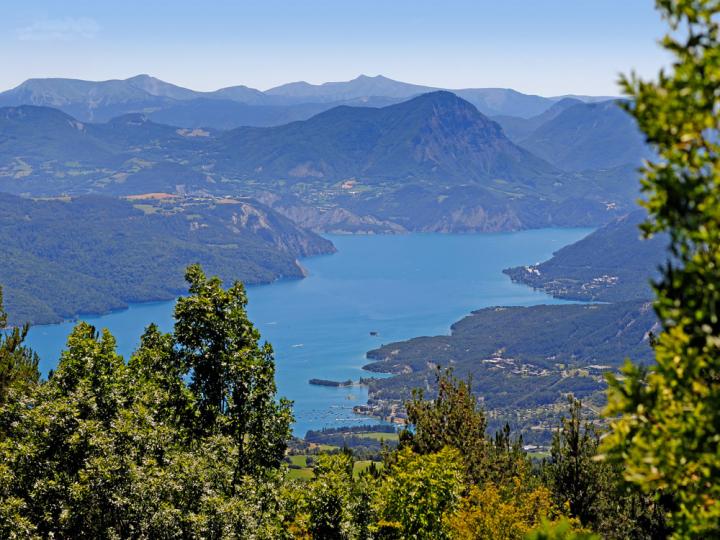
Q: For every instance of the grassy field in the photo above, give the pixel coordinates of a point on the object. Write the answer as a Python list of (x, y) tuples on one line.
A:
[(378, 436), (360, 466), (300, 461), (300, 474), (306, 473), (305, 470)]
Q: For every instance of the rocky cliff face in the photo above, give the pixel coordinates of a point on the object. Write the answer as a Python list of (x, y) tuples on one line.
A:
[(278, 230), (338, 221)]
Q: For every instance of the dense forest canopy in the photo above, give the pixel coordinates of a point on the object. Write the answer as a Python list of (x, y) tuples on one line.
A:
[(93, 254), (187, 439)]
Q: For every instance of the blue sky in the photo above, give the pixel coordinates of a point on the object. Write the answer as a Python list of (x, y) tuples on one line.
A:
[(547, 47)]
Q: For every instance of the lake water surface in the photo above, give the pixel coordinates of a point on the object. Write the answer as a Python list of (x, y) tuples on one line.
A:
[(398, 286)]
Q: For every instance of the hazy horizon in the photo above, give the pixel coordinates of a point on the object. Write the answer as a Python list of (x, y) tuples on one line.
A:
[(293, 82), (549, 49)]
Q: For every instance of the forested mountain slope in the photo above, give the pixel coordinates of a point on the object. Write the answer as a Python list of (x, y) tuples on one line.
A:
[(95, 254), (522, 356), (523, 361), (613, 264), (588, 136), (435, 136)]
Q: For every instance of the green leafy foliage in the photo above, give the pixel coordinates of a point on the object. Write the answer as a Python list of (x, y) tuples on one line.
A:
[(506, 512), (330, 497), (106, 449), (418, 491), (667, 437), (501, 495), (18, 364), (233, 377), (187, 438), (454, 419), (562, 530)]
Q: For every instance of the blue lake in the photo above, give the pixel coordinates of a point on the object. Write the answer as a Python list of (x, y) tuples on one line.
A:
[(398, 286)]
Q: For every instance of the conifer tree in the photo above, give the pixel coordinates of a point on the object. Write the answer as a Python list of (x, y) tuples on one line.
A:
[(454, 418), (576, 478), (18, 364)]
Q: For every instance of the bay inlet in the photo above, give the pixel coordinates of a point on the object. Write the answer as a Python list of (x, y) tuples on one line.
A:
[(374, 290)]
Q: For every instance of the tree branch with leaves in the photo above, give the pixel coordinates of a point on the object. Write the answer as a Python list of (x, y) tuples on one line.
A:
[(667, 436)]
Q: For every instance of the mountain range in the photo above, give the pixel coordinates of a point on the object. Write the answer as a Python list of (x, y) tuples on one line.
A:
[(158, 176), (91, 101), (431, 163)]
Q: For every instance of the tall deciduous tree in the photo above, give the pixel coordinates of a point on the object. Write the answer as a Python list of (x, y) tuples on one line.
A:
[(668, 434), (233, 376), (106, 449)]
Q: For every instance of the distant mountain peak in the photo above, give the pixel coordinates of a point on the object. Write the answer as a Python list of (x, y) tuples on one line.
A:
[(160, 88), (442, 102), (446, 114), (436, 135), (360, 87), (441, 96), (567, 101), (99, 101), (363, 77)]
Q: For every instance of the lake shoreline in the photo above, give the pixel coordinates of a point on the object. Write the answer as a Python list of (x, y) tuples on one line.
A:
[(400, 286)]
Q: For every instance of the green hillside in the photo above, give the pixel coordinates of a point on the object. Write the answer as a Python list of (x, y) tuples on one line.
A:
[(612, 264), (588, 136), (96, 254), (436, 135)]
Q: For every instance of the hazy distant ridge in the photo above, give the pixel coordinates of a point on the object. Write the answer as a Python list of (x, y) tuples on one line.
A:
[(92, 101)]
